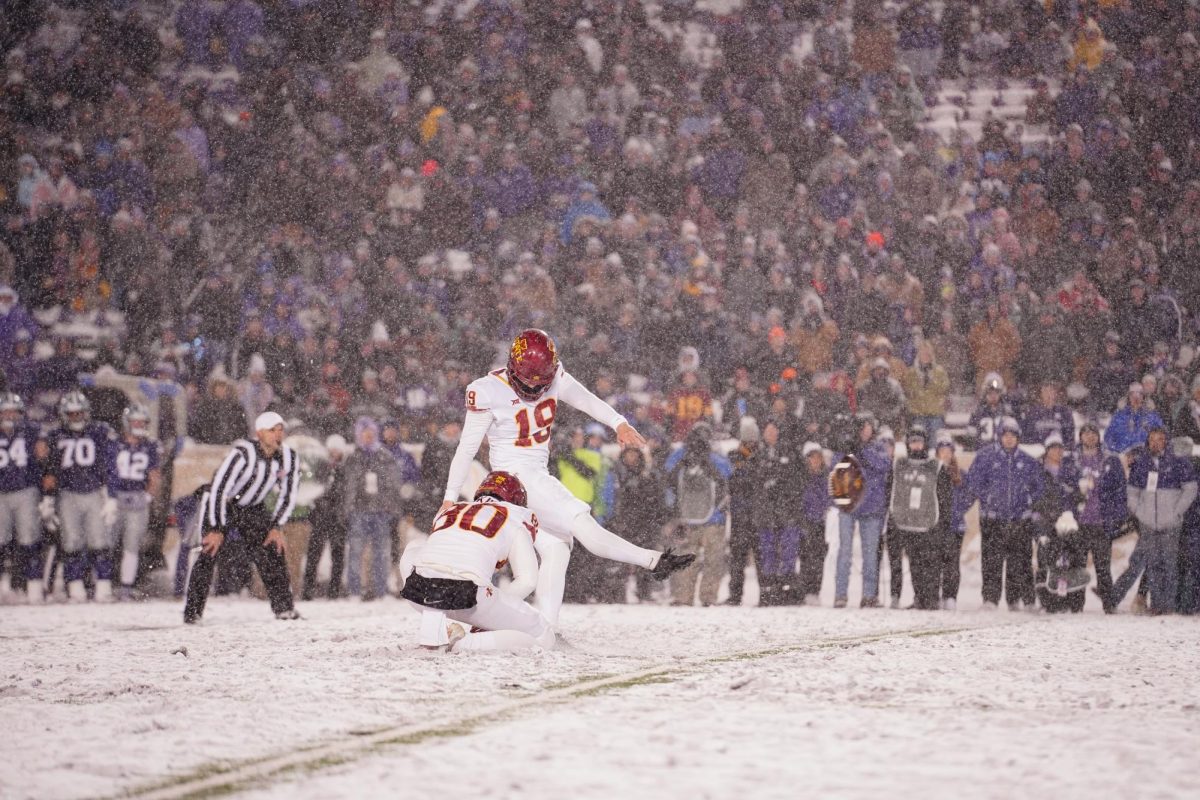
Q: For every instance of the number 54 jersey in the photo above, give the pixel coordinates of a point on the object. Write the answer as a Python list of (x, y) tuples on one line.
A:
[(19, 469), (79, 459)]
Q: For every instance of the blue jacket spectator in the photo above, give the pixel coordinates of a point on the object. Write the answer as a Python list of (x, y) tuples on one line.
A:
[(1005, 482), (718, 462), (1130, 425), (1161, 488)]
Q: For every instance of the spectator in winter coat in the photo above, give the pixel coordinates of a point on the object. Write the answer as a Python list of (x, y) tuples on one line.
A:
[(1161, 487), (698, 494), (814, 504), (1048, 349), (1130, 425), (1107, 380), (814, 337), (923, 544), (1006, 482), (328, 523), (927, 388), (743, 400), (688, 404), (953, 525), (745, 494), (882, 395), (1187, 418), (995, 344), (14, 318), (1102, 508), (218, 418), (778, 533), (1048, 416), (868, 516), (638, 510), (371, 505)]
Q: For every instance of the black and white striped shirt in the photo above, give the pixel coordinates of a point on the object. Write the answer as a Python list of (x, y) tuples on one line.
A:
[(245, 478)]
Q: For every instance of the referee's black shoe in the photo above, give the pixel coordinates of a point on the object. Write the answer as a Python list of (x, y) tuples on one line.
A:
[(669, 563)]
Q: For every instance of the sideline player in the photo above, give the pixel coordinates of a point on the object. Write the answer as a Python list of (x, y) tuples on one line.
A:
[(79, 453), (20, 474), (515, 408), (452, 571), (133, 479)]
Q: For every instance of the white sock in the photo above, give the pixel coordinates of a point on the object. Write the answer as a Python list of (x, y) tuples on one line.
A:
[(129, 565), (433, 629), (606, 544), (555, 554)]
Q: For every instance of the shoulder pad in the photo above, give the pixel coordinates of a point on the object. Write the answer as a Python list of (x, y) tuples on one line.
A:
[(481, 393)]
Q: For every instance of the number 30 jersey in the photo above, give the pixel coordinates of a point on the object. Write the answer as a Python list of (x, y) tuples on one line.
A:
[(79, 459), (518, 432), (470, 541), (19, 468), (130, 465)]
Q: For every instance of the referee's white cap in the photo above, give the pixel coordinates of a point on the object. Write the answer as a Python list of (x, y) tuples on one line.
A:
[(267, 420)]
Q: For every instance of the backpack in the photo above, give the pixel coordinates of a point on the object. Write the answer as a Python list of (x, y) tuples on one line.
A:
[(697, 494)]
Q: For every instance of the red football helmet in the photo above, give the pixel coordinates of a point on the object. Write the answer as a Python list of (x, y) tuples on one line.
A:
[(532, 364), (503, 486)]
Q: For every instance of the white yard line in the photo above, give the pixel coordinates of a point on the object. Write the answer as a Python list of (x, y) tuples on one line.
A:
[(221, 778)]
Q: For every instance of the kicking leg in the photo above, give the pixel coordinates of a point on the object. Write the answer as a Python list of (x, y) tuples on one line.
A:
[(606, 544)]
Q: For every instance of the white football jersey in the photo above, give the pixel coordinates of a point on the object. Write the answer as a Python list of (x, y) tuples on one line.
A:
[(519, 435), (471, 540), (518, 432)]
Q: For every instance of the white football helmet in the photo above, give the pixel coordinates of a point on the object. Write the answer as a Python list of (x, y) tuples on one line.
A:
[(75, 410), (135, 419)]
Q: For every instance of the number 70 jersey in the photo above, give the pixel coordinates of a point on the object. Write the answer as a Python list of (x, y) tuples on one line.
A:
[(79, 459), (519, 436)]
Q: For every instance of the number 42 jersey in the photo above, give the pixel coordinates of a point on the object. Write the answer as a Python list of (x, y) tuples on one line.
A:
[(130, 466), (79, 459)]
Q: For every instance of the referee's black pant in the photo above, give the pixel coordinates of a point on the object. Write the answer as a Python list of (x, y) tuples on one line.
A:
[(252, 525)]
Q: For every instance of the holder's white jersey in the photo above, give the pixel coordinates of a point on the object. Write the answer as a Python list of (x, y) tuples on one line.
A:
[(518, 431), (470, 541)]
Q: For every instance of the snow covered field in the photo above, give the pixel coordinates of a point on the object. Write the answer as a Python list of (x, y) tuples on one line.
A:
[(651, 701)]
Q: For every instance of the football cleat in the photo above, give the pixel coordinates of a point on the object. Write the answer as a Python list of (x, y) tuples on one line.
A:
[(291, 613), (669, 563)]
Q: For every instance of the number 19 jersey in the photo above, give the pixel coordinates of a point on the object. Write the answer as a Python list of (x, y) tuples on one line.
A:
[(519, 435)]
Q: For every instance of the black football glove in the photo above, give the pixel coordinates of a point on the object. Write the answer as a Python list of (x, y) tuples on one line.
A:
[(669, 563)]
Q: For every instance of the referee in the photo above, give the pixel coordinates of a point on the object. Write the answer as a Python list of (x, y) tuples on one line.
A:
[(236, 502)]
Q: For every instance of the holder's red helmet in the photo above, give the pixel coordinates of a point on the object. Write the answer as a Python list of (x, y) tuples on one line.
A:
[(502, 486), (532, 364)]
